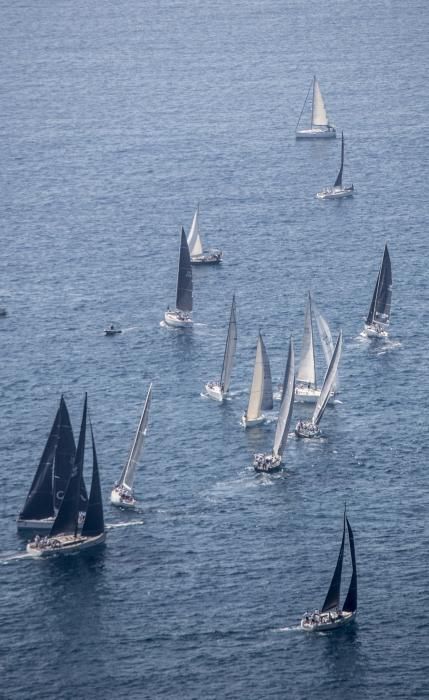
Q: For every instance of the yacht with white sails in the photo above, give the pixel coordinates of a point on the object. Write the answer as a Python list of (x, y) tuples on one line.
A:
[(122, 494), (261, 390), (218, 389), (200, 255), (320, 126)]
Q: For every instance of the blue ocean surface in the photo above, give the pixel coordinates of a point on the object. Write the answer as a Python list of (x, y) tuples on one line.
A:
[(116, 120)]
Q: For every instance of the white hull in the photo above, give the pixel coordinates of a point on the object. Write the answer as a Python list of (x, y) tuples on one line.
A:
[(178, 319), (251, 422), (306, 429), (121, 500), (374, 332), (266, 463), (316, 133), (207, 257), (304, 394), (214, 391), (335, 193), (64, 544), (328, 621)]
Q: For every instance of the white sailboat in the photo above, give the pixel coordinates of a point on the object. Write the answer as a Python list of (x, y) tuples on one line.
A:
[(378, 319), (320, 128), (122, 494), (310, 429), (218, 389), (260, 388), (269, 462), (338, 190), (210, 256), (306, 387), (180, 317)]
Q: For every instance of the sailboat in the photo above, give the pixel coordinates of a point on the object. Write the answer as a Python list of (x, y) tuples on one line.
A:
[(338, 190), (122, 493), (326, 340), (261, 390), (306, 388), (218, 389), (320, 128), (331, 616), (269, 462), (198, 254), (310, 429), (50, 480), (64, 536), (180, 317), (378, 319)]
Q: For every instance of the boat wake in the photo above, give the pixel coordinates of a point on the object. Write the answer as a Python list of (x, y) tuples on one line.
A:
[(14, 556), (124, 524), (295, 628)]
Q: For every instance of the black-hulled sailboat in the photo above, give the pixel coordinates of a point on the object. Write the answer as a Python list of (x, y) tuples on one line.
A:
[(217, 389), (332, 616), (338, 190), (378, 319), (65, 537), (271, 461), (49, 483), (310, 428), (180, 317)]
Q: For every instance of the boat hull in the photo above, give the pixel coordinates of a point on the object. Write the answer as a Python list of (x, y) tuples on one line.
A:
[(373, 331), (122, 501), (306, 429), (316, 133), (214, 391), (64, 544), (266, 463), (303, 394), (207, 257), (335, 193), (251, 422), (178, 319), (328, 622), (110, 331)]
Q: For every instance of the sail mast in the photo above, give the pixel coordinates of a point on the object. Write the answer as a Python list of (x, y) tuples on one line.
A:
[(230, 346), (128, 472), (332, 599), (184, 276)]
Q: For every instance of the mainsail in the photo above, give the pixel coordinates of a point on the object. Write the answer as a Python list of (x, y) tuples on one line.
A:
[(350, 603), (319, 116), (332, 599), (64, 457), (230, 346), (66, 521), (184, 276), (194, 239), (286, 406), (94, 519), (127, 477), (339, 181), (328, 382), (307, 363), (379, 311), (256, 390), (267, 394)]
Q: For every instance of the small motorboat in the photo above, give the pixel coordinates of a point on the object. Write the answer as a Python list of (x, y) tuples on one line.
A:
[(112, 330)]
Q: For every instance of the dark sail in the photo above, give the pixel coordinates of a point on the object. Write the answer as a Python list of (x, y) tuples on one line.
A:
[(94, 519), (40, 503), (339, 181), (64, 455), (184, 277), (379, 311), (332, 599), (350, 603), (66, 521), (267, 396)]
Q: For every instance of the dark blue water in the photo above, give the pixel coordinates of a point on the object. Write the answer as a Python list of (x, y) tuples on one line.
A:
[(116, 119)]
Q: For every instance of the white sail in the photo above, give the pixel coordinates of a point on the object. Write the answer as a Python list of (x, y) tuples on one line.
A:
[(267, 393), (194, 239), (307, 363), (128, 472), (328, 383), (230, 346), (325, 339), (257, 388), (286, 407), (319, 116)]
